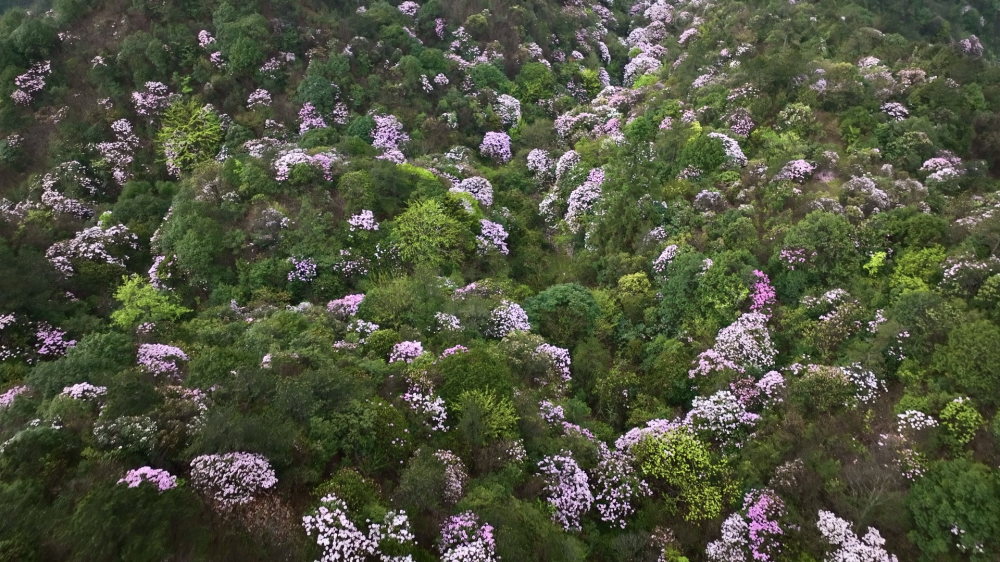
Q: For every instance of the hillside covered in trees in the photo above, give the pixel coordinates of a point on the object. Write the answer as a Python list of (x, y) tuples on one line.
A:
[(481, 280)]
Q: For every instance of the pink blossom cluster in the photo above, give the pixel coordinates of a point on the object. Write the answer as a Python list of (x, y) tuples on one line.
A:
[(453, 350), (51, 341), (288, 159), (422, 400), (848, 546), (91, 244), (340, 538), (508, 317), (205, 39), (160, 478), (406, 351), (711, 361), (559, 359), (7, 398), (567, 489), (663, 260), (310, 118), (640, 65), (895, 110), (365, 220), (617, 484), (439, 27), (455, 476), (971, 46), (771, 386), (161, 359), (388, 133), (734, 153), (747, 342), (794, 257), (723, 416), (478, 187), (409, 8), (347, 306), (496, 145), (31, 82), (539, 163), (583, 198), (566, 162), (463, 539), (259, 98), (493, 237), (448, 322), (763, 508), (154, 99), (654, 428), (796, 170), (740, 122), (84, 391), (303, 270), (550, 412), (508, 109), (232, 479), (120, 153), (687, 35), (762, 294)]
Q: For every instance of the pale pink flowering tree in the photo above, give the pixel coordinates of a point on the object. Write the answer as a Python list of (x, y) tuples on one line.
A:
[(84, 391), (496, 146), (232, 479), (848, 547), (160, 478), (493, 237), (341, 540), (406, 351), (161, 359), (567, 489), (463, 539), (508, 317), (31, 82), (347, 306), (7, 398), (617, 484)]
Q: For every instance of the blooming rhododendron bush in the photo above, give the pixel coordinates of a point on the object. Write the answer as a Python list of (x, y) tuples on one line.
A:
[(553, 280)]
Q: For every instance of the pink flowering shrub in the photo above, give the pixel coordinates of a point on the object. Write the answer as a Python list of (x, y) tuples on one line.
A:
[(154, 99), (31, 82), (160, 478), (303, 270), (118, 155), (347, 306), (617, 484), (583, 198), (161, 359), (455, 476), (310, 119), (232, 479), (496, 145), (508, 109), (493, 237), (797, 171), (478, 187), (84, 391), (51, 341), (341, 540), (93, 244), (762, 295), (7, 398), (463, 539), (365, 220), (847, 545), (259, 98), (406, 351), (567, 489), (508, 317)]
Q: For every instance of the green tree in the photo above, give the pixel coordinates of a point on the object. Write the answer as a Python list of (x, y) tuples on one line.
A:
[(141, 302), (189, 133), (564, 314), (956, 512), (681, 466), (425, 234), (970, 360)]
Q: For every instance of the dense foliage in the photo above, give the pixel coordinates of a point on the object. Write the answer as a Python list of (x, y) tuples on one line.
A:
[(480, 280)]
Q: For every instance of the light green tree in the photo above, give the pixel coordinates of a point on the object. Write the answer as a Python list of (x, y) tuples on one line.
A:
[(141, 302)]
